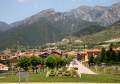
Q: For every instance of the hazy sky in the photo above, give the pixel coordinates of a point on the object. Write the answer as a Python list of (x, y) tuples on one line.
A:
[(14, 10)]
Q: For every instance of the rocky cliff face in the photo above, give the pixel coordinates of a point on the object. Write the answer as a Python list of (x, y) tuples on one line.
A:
[(103, 15), (100, 14)]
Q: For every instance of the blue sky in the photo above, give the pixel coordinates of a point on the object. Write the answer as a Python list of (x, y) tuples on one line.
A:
[(15, 10)]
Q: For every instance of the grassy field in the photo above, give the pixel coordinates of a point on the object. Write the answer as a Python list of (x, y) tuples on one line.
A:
[(106, 78)]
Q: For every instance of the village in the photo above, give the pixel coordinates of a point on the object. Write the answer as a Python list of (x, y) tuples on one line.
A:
[(83, 54), (83, 61)]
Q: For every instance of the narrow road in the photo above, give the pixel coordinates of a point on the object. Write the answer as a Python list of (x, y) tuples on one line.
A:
[(81, 67)]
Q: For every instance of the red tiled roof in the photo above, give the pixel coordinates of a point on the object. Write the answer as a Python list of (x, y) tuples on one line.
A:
[(3, 65)]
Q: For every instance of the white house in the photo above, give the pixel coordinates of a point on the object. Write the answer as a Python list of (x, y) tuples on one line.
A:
[(3, 67)]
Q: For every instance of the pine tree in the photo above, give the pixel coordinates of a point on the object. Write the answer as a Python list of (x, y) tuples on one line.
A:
[(102, 55), (110, 55), (91, 60)]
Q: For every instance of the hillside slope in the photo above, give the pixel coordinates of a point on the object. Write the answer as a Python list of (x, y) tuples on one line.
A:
[(111, 32), (4, 26), (45, 27)]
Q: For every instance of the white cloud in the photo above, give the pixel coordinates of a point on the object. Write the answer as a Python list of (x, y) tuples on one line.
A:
[(23, 1), (75, 0)]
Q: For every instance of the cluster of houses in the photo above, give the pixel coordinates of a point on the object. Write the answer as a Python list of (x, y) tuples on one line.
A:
[(13, 56)]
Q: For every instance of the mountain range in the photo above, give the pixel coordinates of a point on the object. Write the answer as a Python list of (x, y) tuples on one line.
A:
[(100, 14), (4, 26), (51, 26)]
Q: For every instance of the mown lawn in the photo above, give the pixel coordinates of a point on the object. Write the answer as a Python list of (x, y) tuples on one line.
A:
[(41, 77)]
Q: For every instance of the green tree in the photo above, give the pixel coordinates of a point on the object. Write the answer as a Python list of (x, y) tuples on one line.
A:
[(69, 59), (51, 62), (61, 62), (58, 61), (24, 62), (102, 55), (118, 56), (42, 62), (97, 60), (91, 60), (64, 61), (34, 62), (110, 55)]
